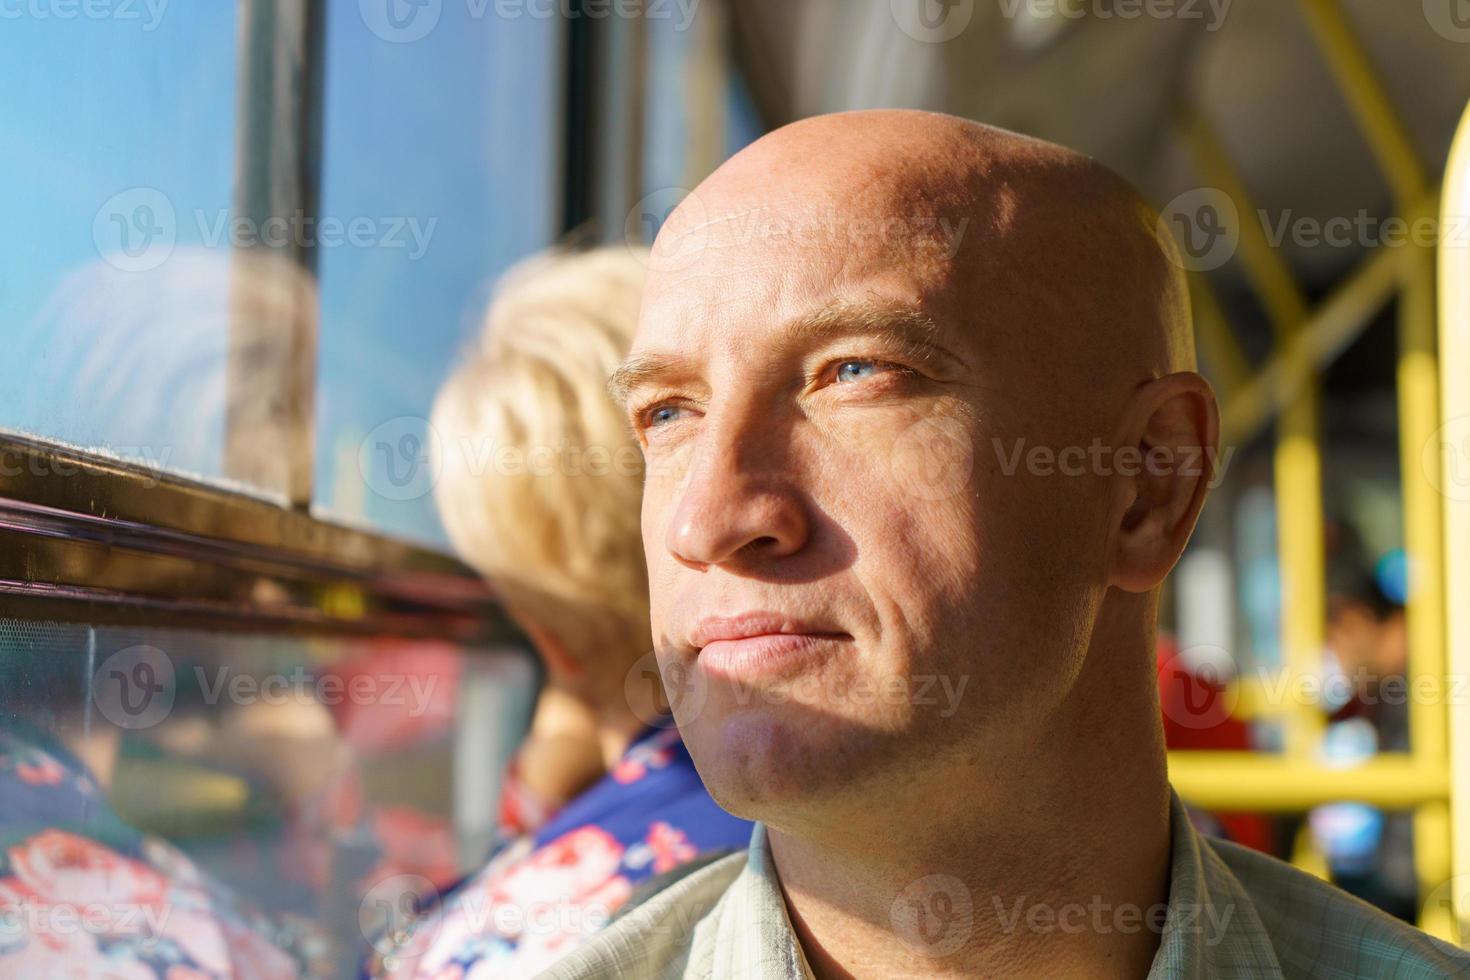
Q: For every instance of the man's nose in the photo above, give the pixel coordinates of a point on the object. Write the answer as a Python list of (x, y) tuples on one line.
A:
[(739, 505)]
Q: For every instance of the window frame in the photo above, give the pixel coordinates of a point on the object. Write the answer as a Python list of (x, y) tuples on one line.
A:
[(87, 537)]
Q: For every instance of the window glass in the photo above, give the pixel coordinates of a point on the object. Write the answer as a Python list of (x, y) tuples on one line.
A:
[(441, 145), (118, 132), (232, 802)]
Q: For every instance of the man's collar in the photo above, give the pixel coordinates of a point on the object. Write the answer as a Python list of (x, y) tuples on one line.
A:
[(755, 937), (1211, 928)]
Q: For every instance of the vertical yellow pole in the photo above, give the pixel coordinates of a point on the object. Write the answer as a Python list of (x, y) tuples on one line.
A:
[(1448, 456), (1300, 544), (1419, 413)]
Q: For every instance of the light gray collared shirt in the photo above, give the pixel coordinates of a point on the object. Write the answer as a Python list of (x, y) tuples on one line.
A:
[(1233, 914)]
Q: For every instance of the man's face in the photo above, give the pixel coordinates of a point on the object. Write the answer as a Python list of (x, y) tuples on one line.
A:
[(856, 580)]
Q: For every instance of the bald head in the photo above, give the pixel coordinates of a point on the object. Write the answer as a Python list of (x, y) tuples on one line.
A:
[(894, 376), (1057, 261)]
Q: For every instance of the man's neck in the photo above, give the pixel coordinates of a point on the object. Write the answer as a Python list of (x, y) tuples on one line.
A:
[(1054, 868)]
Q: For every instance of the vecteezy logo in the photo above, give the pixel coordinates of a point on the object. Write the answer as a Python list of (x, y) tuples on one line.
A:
[(933, 21), (1196, 687), (1445, 459), (400, 459), (135, 687), (665, 694), (1449, 18), (1205, 224), (391, 915), (400, 21), (677, 246), (135, 230), (933, 458), (934, 915)]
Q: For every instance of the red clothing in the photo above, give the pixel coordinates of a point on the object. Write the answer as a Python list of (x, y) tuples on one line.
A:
[(1198, 717)]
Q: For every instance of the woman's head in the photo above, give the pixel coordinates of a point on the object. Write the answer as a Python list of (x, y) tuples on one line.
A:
[(541, 481)]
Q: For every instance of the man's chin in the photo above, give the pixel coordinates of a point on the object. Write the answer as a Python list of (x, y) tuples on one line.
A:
[(759, 763)]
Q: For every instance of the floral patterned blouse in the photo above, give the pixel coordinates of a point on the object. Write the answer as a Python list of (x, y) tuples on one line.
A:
[(84, 896), (557, 885)]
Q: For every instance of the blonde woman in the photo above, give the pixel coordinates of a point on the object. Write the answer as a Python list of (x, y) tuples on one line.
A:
[(540, 489)]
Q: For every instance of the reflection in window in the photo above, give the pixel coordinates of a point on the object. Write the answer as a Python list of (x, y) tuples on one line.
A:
[(440, 148), (118, 134), (235, 801)]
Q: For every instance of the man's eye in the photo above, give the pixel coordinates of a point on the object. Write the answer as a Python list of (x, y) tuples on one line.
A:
[(857, 370), (661, 415)]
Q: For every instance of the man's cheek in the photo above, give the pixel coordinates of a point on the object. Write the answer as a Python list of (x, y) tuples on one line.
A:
[(929, 535), (663, 569), (931, 460), (665, 484), (669, 462)]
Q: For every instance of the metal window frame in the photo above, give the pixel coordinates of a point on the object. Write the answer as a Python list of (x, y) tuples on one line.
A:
[(278, 137), (87, 537), (606, 86)]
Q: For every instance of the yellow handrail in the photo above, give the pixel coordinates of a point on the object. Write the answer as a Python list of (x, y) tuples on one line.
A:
[(1230, 781)]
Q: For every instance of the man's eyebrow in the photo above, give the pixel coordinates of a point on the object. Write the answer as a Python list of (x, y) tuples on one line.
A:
[(911, 332), (638, 371)]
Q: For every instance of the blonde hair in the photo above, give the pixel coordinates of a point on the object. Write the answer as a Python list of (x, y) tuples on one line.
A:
[(541, 480)]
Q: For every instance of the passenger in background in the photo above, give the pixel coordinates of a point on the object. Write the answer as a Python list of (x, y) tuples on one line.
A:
[(540, 489), (1368, 638), (1370, 852)]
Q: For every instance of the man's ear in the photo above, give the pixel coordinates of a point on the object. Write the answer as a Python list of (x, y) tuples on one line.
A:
[(1163, 467)]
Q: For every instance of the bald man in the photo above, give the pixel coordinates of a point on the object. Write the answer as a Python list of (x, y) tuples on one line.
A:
[(924, 437)]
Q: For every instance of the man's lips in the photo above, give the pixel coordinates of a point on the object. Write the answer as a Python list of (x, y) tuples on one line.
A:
[(715, 629), (757, 643)]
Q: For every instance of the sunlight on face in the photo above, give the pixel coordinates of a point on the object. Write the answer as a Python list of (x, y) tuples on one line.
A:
[(824, 602)]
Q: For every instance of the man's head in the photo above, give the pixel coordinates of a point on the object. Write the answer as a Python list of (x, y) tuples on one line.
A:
[(541, 481), (883, 367)]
